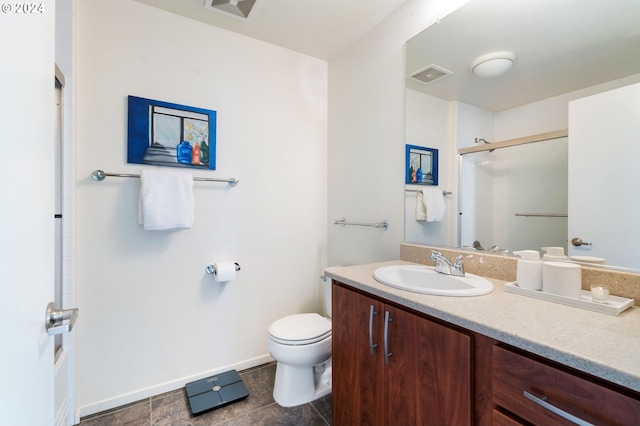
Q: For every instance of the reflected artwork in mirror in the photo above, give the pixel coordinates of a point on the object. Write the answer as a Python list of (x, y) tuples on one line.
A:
[(421, 165)]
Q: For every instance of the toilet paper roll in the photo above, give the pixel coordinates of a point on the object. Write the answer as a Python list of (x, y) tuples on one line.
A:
[(225, 271)]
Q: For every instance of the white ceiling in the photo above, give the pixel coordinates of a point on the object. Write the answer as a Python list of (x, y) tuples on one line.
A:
[(560, 46), (319, 28)]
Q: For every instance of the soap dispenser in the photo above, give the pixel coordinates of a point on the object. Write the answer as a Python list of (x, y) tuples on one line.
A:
[(529, 273), (555, 254)]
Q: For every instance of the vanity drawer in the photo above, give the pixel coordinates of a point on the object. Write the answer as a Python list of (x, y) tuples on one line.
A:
[(532, 390), (501, 419)]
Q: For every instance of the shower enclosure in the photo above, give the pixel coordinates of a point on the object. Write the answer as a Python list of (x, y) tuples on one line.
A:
[(514, 197)]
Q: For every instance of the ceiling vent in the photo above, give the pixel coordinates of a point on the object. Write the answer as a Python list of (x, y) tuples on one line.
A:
[(238, 8), (431, 73)]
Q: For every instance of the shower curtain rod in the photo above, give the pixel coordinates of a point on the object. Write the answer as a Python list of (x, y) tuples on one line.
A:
[(100, 175), (514, 142)]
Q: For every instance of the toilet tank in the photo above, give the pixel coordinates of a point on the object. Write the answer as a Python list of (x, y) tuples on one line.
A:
[(327, 295)]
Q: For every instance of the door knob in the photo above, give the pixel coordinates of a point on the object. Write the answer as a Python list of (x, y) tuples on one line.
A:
[(578, 242), (59, 321)]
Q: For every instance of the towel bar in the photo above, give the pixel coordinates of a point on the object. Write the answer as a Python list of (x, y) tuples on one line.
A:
[(384, 224), (419, 190), (100, 175), (542, 214)]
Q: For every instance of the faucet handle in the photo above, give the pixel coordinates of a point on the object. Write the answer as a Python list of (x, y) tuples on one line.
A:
[(463, 256), (458, 266), (434, 253)]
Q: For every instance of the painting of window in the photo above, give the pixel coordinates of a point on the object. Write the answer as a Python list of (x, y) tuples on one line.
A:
[(166, 134), (421, 165)]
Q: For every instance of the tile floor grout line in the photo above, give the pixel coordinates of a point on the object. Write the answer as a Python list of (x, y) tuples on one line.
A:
[(236, 416), (150, 412), (319, 413), (247, 413)]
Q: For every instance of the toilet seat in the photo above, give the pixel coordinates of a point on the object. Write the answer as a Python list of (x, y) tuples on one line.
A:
[(300, 329)]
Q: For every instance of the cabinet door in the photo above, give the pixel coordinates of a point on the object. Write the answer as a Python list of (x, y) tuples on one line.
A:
[(358, 379), (428, 375)]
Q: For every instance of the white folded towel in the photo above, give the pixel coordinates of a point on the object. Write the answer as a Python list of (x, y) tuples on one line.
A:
[(430, 205), (166, 200)]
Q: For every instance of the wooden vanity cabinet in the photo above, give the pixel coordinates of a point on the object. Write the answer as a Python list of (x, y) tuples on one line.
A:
[(435, 374), (593, 402), (424, 378)]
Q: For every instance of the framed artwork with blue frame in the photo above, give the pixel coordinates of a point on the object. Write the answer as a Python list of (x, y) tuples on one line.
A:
[(421, 166), (167, 134)]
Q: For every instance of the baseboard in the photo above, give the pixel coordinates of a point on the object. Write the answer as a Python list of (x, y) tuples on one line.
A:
[(120, 400)]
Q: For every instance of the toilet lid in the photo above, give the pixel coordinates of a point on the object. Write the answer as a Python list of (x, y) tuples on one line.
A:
[(300, 327)]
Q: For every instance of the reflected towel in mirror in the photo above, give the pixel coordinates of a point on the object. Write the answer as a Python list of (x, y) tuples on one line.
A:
[(430, 205)]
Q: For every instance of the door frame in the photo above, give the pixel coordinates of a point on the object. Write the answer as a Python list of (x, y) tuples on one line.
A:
[(65, 359)]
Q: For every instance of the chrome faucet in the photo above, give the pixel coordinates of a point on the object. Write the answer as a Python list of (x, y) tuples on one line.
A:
[(444, 265)]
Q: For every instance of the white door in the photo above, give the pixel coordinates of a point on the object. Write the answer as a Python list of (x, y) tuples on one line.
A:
[(604, 153), (26, 215)]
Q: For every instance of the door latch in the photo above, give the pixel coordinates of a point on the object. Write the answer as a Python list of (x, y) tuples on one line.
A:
[(59, 321)]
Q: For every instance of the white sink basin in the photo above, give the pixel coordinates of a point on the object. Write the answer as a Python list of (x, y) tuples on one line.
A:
[(424, 279)]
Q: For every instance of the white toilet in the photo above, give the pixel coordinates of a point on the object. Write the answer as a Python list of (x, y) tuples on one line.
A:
[(301, 344)]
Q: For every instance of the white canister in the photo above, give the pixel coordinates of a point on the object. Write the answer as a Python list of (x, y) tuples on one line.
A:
[(554, 254), (529, 273), (562, 278)]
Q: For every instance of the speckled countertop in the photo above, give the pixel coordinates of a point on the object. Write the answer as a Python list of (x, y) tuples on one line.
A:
[(602, 345)]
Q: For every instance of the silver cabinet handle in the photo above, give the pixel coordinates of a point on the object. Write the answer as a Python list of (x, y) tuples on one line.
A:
[(387, 354), (541, 401), (59, 321), (372, 345)]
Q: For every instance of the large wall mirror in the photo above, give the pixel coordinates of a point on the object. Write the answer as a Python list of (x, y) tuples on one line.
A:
[(517, 181)]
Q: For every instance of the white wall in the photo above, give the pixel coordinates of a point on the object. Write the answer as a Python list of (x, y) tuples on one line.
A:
[(425, 116), (366, 135), (151, 319)]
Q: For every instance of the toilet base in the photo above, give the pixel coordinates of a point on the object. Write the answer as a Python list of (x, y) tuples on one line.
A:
[(300, 385)]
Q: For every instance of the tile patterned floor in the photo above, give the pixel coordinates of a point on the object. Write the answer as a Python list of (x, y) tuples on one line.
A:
[(172, 408)]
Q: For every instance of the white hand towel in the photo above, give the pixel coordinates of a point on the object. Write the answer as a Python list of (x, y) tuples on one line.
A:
[(430, 205), (421, 210), (166, 200)]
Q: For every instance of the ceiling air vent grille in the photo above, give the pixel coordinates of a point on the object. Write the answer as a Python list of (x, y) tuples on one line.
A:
[(238, 8), (431, 73)]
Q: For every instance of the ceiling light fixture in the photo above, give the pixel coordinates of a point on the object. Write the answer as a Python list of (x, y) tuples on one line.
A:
[(493, 64)]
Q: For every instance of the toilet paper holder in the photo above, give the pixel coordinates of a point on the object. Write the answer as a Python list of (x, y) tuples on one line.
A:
[(211, 269)]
